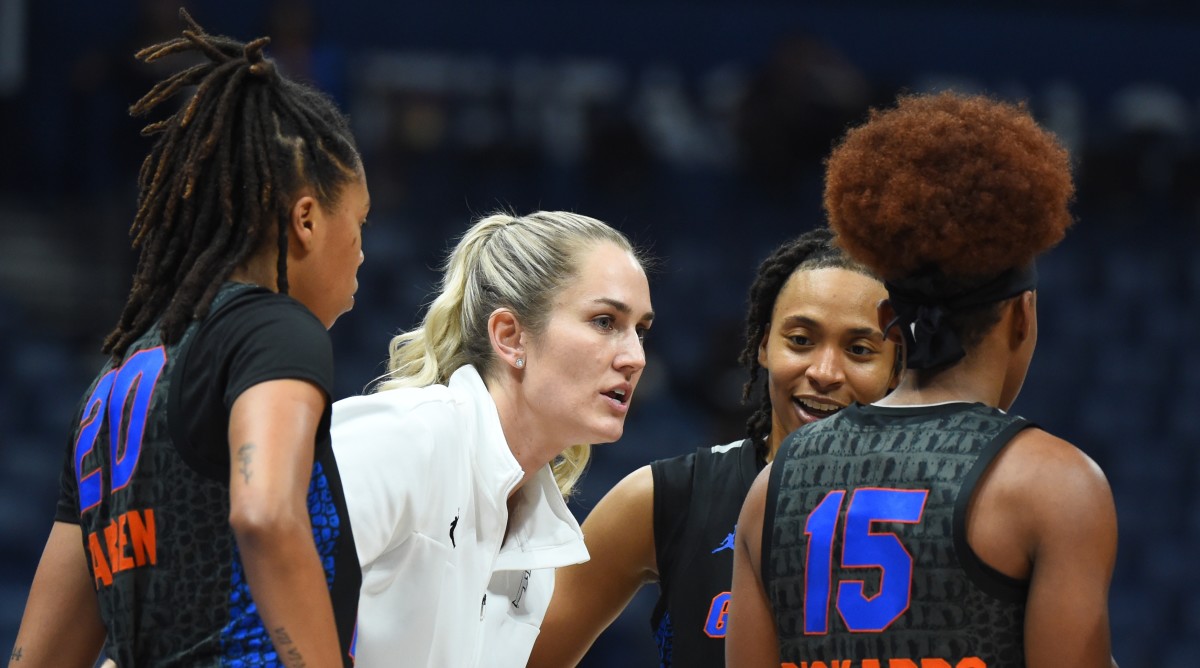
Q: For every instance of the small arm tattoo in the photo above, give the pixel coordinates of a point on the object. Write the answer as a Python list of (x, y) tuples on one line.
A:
[(16, 655), (244, 454), (287, 649)]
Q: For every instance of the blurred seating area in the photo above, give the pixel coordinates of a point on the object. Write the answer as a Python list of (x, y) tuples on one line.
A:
[(697, 128)]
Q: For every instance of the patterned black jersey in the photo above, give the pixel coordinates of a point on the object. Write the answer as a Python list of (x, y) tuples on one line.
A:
[(865, 559), (697, 498), (147, 479)]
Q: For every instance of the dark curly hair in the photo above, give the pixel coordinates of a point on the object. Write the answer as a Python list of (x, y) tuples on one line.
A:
[(219, 181), (811, 250), (963, 186)]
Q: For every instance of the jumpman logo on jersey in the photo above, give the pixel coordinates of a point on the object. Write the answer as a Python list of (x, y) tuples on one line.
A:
[(453, 526), (727, 544)]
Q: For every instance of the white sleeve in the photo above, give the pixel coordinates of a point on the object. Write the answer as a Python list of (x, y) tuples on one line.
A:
[(381, 446)]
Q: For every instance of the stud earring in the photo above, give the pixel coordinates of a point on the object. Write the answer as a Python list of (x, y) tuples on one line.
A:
[(520, 362)]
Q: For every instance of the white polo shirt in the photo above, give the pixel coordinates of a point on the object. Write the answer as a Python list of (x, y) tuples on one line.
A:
[(427, 474)]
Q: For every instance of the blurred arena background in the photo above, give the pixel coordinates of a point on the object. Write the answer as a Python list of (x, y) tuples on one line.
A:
[(696, 127)]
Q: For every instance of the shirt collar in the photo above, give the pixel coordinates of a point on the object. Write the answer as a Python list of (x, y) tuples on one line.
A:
[(542, 532)]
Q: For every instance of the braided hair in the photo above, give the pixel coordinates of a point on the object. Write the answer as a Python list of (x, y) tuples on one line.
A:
[(811, 250), (221, 177)]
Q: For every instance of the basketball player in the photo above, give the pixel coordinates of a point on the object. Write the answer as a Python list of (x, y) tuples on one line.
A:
[(201, 520), (934, 528)]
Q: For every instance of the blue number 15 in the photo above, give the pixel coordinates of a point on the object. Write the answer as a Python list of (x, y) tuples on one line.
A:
[(861, 548), (132, 387)]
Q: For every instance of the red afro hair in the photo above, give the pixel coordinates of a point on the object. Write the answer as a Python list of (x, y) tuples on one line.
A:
[(966, 185)]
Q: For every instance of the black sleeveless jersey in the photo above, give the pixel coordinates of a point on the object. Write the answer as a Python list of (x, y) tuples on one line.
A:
[(697, 498), (147, 479), (864, 556)]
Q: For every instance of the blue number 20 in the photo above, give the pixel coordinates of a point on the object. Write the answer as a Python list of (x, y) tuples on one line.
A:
[(130, 386), (861, 548)]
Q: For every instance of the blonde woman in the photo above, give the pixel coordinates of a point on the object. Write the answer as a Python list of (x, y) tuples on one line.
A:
[(456, 468)]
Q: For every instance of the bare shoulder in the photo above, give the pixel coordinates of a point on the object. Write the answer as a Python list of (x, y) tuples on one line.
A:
[(1057, 488), (758, 490), (633, 494), (1054, 468), (750, 521), (637, 487), (619, 531)]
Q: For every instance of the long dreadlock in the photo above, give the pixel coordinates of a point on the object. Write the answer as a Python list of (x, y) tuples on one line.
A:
[(221, 176), (811, 250)]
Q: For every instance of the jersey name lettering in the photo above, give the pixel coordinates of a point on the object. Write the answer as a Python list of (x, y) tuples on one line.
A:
[(128, 542), (968, 662)]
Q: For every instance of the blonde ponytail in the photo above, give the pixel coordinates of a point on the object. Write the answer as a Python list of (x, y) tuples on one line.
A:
[(451, 335)]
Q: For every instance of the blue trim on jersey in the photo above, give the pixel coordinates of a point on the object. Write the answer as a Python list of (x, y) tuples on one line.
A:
[(663, 637), (326, 523), (244, 640)]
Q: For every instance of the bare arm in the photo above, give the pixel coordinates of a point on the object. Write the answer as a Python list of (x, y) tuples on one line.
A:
[(751, 640), (271, 432), (1074, 525), (619, 534), (61, 625)]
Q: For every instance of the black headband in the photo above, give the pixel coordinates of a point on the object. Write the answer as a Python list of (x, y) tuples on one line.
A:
[(921, 310)]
